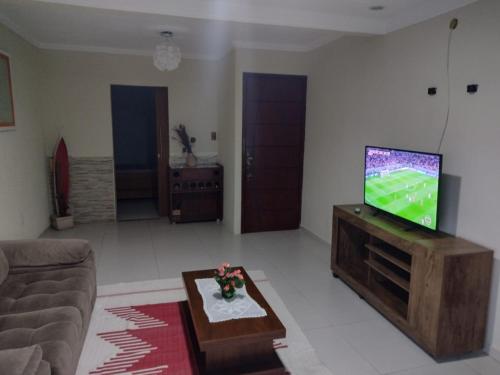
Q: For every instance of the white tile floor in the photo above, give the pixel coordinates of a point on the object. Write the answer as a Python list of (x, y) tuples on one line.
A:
[(350, 337), (136, 209)]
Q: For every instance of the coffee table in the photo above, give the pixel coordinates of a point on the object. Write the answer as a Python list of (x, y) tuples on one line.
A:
[(242, 346)]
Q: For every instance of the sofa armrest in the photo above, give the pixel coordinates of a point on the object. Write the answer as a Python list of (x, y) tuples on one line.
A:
[(21, 361), (45, 252)]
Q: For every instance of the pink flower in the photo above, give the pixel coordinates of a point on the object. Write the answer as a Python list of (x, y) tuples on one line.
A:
[(221, 269), (233, 284), (239, 276), (226, 265), (226, 288)]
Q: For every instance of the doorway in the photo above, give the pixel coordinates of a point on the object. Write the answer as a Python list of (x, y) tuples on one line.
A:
[(140, 140), (274, 108)]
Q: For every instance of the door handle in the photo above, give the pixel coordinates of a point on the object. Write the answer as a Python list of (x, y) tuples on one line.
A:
[(249, 160), (249, 163)]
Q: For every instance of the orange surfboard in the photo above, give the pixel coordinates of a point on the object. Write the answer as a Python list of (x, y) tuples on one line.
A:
[(61, 178)]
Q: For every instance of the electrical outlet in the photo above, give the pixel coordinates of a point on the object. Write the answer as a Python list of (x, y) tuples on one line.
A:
[(213, 136)]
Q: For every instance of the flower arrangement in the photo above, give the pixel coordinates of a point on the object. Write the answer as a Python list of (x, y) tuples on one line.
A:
[(228, 279), (186, 142), (183, 138)]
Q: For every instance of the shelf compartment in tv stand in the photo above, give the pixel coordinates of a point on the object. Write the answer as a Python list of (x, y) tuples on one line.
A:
[(390, 257), (388, 274), (391, 295)]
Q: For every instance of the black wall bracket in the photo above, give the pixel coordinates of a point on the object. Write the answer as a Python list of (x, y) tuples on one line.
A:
[(472, 89)]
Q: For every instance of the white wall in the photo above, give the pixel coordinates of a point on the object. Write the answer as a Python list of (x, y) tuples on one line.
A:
[(24, 200), (374, 91), (226, 135), (204, 95), (77, 99)]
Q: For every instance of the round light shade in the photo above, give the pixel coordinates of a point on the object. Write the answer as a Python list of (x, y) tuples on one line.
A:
[(167, 56)]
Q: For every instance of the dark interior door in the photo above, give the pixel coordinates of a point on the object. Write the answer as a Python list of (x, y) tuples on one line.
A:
[(274, 109), (162, 139)]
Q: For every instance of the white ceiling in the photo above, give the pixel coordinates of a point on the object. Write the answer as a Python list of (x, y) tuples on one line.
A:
[(208, 28)]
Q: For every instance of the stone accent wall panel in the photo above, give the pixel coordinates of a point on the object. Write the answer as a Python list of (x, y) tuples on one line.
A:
[(92, 192)]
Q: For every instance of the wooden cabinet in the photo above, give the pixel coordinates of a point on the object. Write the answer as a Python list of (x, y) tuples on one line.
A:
[(196, 193), (432, 286)]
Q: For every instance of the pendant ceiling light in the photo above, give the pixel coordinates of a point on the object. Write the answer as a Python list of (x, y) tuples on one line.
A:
[(167, 55)]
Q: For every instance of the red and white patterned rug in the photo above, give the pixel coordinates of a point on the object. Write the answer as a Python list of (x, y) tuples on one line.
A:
[(140, 329)]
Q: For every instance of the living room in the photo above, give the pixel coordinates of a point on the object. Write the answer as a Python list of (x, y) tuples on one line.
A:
[(412, 76)]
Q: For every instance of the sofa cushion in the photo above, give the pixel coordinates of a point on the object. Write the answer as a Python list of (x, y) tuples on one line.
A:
[(34, 361), (4, 266), (40, 318), (59, 341), (32, 291), (45, 252), (36, 302), (21, 361), (65, 331), (48, 282), (44, 369), (62, 359)]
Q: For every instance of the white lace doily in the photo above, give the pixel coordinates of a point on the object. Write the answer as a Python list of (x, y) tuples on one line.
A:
[(219, 310)]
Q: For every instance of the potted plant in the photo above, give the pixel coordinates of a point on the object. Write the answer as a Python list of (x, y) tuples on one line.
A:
[(186, 142), (229, 280)]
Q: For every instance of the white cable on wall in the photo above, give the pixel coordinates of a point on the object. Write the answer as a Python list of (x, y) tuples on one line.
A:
[(453, 26)]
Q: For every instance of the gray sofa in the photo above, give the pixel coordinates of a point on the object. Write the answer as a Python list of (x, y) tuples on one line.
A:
[(47, 293)]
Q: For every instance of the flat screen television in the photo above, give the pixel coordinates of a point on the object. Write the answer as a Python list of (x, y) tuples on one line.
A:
[(404, 183)]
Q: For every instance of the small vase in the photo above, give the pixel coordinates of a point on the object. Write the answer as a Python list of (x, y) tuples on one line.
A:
[(190, 160), (227, 295)]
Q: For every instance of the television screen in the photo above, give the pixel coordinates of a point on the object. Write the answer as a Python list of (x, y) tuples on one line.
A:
[(403, 183)]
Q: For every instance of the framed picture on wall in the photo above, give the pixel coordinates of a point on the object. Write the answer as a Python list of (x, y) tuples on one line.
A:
[(6, 101)]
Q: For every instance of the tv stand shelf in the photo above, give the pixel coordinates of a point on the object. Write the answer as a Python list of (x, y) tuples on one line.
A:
[(391, 258), (388, 274), (432, 286)]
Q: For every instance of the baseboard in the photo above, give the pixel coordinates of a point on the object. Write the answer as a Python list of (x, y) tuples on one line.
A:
[(45, 230), (494, 353), (315, 235)]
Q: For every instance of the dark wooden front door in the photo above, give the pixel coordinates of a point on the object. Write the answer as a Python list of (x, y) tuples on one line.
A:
[(274, 109)]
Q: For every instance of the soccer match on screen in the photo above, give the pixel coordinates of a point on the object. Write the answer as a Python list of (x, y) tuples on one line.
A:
[(403, 183)]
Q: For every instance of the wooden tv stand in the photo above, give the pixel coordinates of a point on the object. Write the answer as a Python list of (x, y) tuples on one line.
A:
[(432, 286)]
